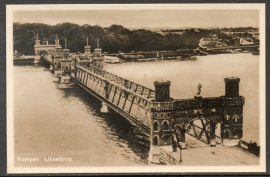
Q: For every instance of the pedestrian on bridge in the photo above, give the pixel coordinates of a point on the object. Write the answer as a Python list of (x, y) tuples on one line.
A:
[(174, 140)]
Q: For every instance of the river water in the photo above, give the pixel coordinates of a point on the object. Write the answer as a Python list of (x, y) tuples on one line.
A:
[(51, 123)]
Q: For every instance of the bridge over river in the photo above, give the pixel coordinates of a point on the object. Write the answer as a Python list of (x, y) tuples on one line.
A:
[(154, 111)]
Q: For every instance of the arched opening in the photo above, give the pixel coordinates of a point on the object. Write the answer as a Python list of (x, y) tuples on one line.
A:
[(155, 126), (235, 118), (226, 134), (226, 119), (165, 125), (155, 140), (199, 128)]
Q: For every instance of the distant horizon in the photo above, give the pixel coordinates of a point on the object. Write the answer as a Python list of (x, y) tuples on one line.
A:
[(145, 19), (134, 28)]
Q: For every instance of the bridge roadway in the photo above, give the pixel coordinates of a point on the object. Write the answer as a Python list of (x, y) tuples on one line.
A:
[(196, 152)]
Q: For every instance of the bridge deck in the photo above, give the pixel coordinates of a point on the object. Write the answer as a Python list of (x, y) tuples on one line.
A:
[(200, 154)]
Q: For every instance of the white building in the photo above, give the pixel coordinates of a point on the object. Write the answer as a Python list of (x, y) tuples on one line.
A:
[(246, 41)]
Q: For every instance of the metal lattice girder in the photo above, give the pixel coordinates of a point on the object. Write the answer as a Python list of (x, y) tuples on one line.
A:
[(194, 129), (115, 90), (132, 102), (203, 130), (119, 98), (129, 100), (188, 127), (126, 97), (89, 79), (101, 85)]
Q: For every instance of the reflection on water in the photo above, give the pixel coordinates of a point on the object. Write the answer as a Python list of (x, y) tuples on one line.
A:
[(116, 128), (68, 123)]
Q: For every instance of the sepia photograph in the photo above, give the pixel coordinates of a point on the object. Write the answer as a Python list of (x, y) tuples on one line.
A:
[(136, 88)]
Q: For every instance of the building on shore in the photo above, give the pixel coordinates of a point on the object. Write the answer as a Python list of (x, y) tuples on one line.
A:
[(211, 42), (246, 41)]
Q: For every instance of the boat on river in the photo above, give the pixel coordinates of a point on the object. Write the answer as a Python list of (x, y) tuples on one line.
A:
[(111, 59)]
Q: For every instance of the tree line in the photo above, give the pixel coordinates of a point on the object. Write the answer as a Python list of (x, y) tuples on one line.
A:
[(111, 39)]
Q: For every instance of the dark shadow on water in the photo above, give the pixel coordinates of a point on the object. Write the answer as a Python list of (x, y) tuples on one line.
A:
[(119, 128)]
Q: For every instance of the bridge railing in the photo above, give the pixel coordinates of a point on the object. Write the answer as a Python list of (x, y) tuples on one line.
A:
[(137, 88), (209, 101), (237, 100), (165, 105), (119, 81)]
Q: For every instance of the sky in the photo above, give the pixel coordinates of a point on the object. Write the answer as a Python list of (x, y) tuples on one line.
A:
[(147, 18)]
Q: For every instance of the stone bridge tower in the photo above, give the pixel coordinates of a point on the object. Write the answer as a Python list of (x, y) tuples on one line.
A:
[(87, 52), (58, 55), (66, 63), (87, 55), (232, 127), (161, 118), (85, 59), (97, 58), (41, 51)]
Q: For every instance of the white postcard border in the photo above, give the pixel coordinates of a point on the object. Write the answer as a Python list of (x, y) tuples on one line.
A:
[(134, 169)]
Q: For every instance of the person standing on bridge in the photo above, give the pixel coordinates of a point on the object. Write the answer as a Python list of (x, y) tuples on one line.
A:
[(174, 141)]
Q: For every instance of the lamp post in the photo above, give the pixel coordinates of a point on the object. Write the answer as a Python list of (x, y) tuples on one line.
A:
[(180, 161)]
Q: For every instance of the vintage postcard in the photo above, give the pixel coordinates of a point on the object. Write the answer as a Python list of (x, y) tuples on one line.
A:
[(136, 88)]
